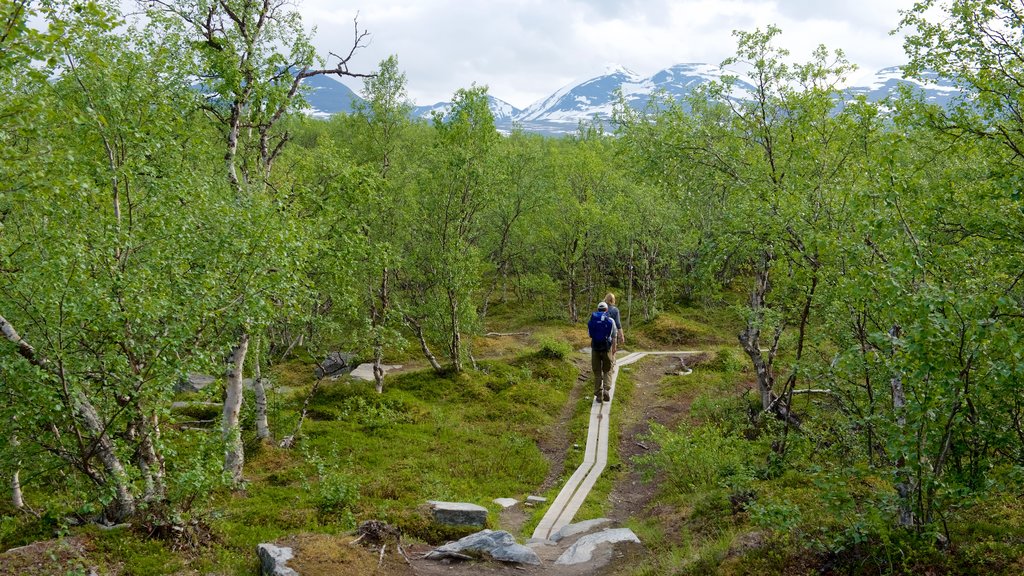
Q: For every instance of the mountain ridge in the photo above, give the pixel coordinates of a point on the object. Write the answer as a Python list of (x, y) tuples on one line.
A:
[(563, 110)]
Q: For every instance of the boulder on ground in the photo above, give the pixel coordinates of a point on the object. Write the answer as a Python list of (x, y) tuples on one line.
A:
[(365, 371), (499, 545), (194, 382), (274, 560), (335, 363), (583, 550), (458, 513)]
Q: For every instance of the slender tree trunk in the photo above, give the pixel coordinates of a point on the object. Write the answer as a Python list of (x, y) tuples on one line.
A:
[(904, 483), (629, 289), (456, 342), (418, 328), (16, 497), (574, 311), (234, 456), (378, 316), (289, 441), (17, 500), (124, 502), (150, 462), (232, 144), (262, 425), (750, 338)]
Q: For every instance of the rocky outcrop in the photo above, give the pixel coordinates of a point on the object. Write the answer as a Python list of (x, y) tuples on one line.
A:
[(499, 545), (583, 550)]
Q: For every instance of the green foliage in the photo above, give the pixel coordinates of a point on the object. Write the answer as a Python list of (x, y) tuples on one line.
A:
[(725, 360), (554, 349), (336, 492), (699, 458)]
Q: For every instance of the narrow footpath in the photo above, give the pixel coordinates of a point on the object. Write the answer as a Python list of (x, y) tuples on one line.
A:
[(561, 513), (595, 457)]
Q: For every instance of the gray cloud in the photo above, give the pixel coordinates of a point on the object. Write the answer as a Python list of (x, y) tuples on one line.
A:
[(526, 49)]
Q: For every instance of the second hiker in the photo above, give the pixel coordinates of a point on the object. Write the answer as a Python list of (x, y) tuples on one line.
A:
[(613, 313)]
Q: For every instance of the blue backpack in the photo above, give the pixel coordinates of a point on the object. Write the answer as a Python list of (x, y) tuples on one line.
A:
[(600, 328)]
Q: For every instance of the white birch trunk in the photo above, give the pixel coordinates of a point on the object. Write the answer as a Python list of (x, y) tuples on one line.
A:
[(124, 501), (234, 456), (262, 425), (16, 497)]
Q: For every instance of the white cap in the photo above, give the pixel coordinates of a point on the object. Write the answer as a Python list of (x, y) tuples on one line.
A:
[(602, 305)]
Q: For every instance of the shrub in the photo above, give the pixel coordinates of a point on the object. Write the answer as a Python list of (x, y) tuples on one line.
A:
[(695, 458), (554, 349), (728, 413), (726, 360), (336, 493)]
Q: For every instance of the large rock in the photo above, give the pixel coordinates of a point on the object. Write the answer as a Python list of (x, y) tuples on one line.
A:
[(499, 545), (274, 560), (335, 363), (583, 550), (194, 382), (365, 371), (458, 513)]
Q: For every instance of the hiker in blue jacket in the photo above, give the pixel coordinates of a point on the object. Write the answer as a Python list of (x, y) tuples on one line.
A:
[(602, 334)]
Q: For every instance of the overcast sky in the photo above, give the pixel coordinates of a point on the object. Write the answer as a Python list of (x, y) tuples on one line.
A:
[(524, 50)]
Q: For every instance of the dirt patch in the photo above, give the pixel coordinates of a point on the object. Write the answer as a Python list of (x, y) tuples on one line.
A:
[(555, 445), (323, 554), (60, 556), (631, 495), (513, 519)]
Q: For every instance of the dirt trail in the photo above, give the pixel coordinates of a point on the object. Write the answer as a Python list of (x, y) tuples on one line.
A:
[(630, 497)]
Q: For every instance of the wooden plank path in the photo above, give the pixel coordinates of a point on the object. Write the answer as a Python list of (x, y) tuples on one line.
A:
[(595, 457)]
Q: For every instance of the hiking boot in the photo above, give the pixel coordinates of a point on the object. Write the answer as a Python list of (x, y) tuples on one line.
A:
[(598, 398), (607, 397)]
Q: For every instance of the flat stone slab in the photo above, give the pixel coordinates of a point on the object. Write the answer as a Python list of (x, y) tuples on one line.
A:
[(274, 560), (498, 545), (583, 550), (580, 528), (506, 502), (365, 371), (534, 500), (458, 513)]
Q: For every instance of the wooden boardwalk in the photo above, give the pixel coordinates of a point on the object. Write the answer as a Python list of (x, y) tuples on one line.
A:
[(595, 457)]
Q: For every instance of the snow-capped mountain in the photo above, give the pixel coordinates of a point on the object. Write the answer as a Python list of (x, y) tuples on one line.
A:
[(561, 112), (583, 100), (327, 96), (503, 112), (596, 97), (887, 82)]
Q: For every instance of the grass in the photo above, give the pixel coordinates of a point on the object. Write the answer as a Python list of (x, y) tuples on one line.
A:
[(474, 437)]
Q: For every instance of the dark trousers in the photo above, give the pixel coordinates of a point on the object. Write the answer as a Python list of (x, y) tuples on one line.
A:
[(601, 362)]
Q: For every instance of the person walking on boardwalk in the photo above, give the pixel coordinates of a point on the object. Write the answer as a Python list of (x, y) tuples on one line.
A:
[(602, 334), (613, 313)]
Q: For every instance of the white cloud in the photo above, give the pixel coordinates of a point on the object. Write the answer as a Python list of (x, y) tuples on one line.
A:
[(526, 49)]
